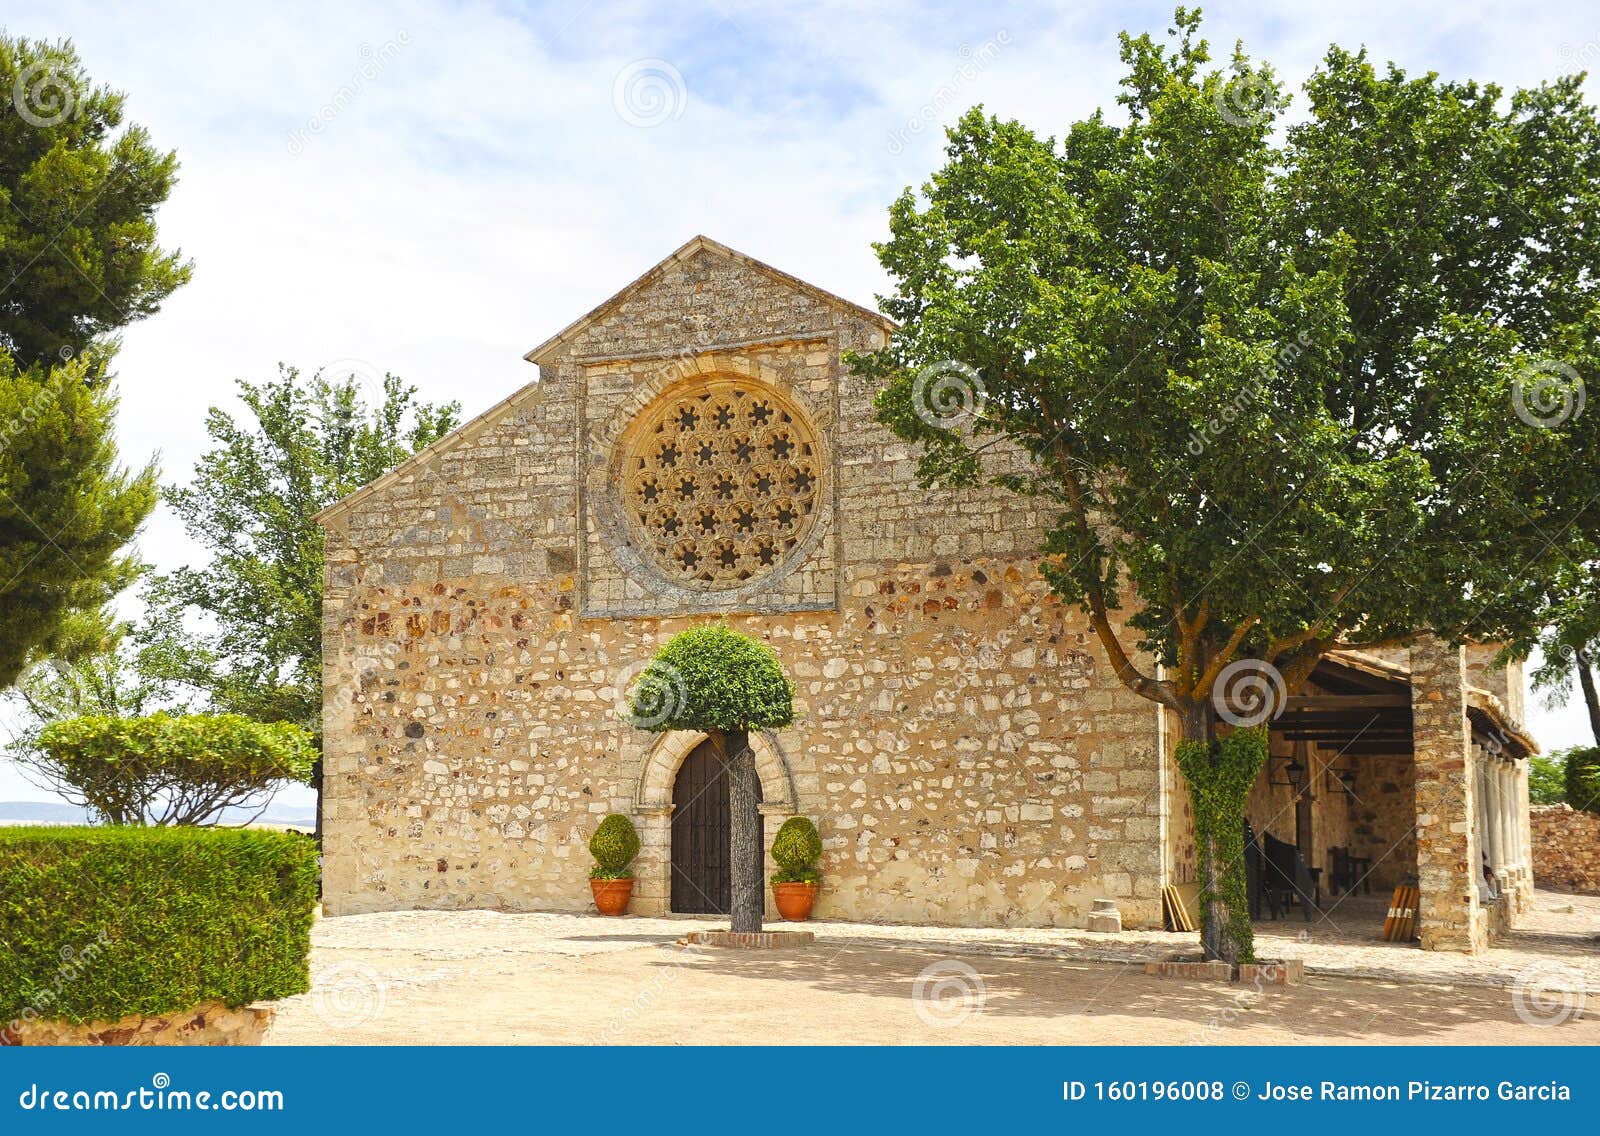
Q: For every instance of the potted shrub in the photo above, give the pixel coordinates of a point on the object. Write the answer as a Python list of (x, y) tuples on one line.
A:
[(614, 845), (796, 850)]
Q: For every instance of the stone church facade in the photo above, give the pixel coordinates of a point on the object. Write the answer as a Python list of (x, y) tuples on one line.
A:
[(696, 448)]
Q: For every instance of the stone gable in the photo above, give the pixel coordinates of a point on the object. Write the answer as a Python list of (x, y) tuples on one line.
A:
[(965, 752)]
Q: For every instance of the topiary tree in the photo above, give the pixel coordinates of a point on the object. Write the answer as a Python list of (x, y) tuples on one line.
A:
[(168, 768), (723, 684), (796, 850), (614, 845)]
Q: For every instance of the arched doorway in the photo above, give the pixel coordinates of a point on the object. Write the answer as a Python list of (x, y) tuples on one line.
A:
[(702, 877)]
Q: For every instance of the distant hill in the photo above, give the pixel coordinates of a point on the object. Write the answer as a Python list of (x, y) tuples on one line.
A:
[(59, 812)]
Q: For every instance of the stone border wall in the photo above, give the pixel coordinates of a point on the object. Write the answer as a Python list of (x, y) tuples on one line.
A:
[(209, 1024), (1566, 848)]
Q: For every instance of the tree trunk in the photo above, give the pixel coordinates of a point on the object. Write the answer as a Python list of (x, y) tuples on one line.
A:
[(1591, 699), (744, 836), (1196, 724)]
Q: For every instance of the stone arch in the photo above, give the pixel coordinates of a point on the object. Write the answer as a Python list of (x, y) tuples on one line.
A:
[(654, 792)]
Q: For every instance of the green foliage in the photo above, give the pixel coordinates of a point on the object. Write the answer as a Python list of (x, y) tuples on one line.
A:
[(797, 876), (1220, 774), (614, 845), (78, 237), (166, 769), (796, 850), (79, 259), (1547, 778), (1583, 778), (1268, 379), (712, 678), (305, 445), (101, 923), (66, 508)]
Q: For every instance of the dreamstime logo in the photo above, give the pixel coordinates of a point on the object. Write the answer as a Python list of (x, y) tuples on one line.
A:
[(374, 60), (973, 63), (367, 376), (1547, 394), (1248, 692), (948, 393), (649, 693), (1248, 99), (948, 992), (349, 996), (649, 92), (74, 961), (44, 93), (1548, 993)]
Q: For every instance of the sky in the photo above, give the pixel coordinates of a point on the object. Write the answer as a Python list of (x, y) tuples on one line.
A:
[(433, 188)]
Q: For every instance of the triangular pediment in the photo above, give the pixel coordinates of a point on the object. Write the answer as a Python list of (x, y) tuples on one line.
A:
[(660, 277)]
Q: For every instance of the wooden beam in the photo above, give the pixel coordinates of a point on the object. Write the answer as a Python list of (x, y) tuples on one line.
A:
[(1347, 702)]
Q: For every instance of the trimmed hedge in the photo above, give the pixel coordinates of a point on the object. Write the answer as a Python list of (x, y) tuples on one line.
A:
[(614, 845), (796, 850), (100, 923)]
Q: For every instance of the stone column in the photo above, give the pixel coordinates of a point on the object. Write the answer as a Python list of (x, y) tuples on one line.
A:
[(1447, 854)]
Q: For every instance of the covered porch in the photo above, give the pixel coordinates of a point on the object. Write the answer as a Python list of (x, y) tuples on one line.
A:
[(1403, 771)]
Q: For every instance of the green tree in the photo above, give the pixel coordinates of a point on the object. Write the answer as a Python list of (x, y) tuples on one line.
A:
[(78, 261), (1285, 393), (78, 246), (1547, 778), (304, 445), (169, 769), (1570, 643), (716, 681), (1581, 776), (66, 510)]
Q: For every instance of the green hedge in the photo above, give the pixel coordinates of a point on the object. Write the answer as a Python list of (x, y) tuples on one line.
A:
[(1583, 778), (100, 923)]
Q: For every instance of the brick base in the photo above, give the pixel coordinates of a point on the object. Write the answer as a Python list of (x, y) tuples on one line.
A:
[(748, 940), (1281, 972)]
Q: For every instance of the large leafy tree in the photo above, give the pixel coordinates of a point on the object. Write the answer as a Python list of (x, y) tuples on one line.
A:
[(78, 261), (714, 680), (257, 606), (1288, 392), (79, 257), (66, 510)]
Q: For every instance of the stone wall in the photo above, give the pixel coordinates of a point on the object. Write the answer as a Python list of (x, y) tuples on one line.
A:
[(964, 750), (209, 1024), (1566, 849)]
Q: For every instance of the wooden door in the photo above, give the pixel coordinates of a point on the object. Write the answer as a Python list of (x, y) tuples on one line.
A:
[(702, 878)]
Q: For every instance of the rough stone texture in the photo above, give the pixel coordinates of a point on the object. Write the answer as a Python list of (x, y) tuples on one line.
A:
[(965, 752), (1450, 917), (1566, 848), (211, 1023)]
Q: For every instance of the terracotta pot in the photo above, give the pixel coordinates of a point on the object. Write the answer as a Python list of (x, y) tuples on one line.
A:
[(795, 900), (611, 896)]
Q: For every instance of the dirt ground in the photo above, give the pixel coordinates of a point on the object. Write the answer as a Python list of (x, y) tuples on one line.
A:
[(493, 978)]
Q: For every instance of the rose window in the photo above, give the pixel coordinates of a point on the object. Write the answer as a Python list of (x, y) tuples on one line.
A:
[(721, 483)]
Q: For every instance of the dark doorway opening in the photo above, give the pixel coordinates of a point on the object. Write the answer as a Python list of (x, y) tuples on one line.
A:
[(702, 877)]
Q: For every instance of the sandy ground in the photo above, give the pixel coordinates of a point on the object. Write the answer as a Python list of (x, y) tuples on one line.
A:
[(493, 978)]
